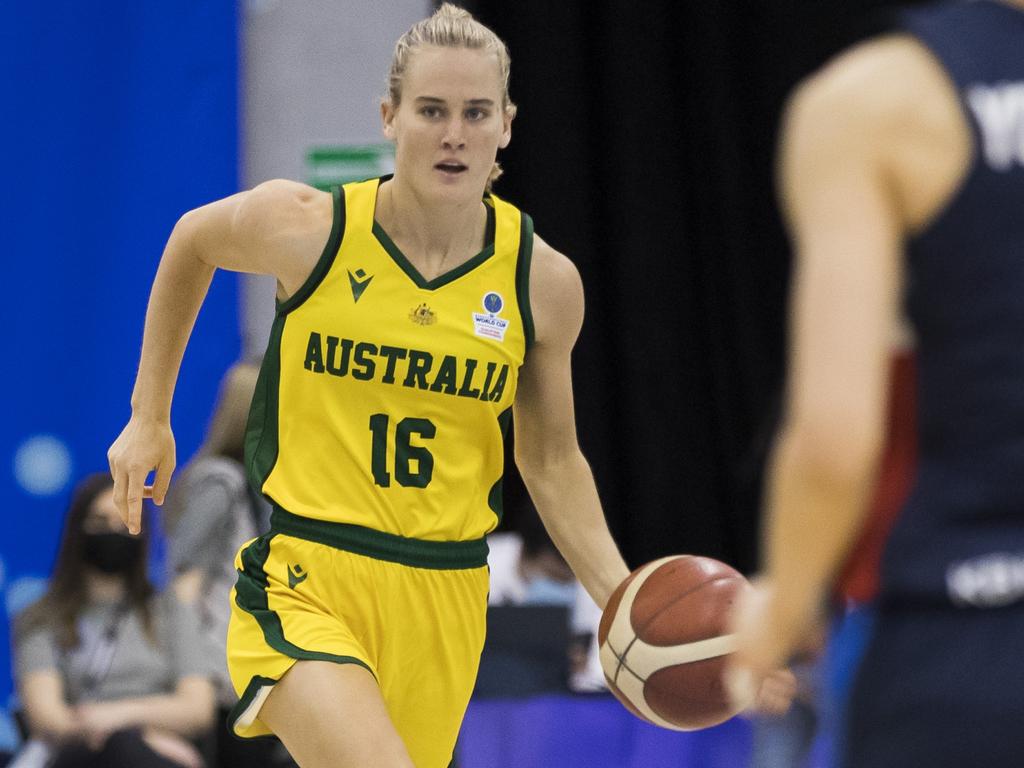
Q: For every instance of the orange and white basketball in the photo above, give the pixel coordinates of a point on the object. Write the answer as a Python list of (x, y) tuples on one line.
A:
[(664, 641)]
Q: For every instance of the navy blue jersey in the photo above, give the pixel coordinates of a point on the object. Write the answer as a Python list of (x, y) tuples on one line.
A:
[(961, 534)]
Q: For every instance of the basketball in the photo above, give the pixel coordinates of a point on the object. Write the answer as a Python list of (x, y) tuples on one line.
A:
[(663, 641)]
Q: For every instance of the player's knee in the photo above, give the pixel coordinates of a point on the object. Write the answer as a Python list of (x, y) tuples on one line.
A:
[(348, 725)]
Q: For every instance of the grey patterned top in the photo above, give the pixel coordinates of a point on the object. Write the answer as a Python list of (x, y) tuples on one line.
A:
[(129, 665)]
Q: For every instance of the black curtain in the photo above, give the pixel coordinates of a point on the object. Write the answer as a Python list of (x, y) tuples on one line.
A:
[(644, 149)]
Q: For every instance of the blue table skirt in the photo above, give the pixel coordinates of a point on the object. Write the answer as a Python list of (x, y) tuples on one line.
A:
[(589, 732)]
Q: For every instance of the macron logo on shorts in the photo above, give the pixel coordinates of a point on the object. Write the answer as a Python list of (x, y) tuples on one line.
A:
[(296, 576)]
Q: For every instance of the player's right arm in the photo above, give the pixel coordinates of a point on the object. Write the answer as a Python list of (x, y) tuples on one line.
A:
[(872, 148), (278, 228)]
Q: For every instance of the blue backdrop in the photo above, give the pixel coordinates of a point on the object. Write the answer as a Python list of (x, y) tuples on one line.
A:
[(117, 118)]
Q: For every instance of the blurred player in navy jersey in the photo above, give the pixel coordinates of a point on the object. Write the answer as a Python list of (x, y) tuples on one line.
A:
[(903, 180)]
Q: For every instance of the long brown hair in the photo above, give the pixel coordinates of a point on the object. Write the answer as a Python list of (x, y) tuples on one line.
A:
[(66, 596)]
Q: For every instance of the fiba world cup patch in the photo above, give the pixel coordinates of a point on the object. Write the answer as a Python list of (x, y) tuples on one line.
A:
[(488, 324)]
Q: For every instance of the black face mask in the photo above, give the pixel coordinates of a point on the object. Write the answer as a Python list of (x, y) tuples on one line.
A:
[(112, 552)]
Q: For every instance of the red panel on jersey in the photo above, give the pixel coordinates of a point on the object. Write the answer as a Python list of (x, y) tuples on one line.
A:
[(858, 580)]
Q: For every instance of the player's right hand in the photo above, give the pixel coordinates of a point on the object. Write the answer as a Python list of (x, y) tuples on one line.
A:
[(769, 632), (144, 445)]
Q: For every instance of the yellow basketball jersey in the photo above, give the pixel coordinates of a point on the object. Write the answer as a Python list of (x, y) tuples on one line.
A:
[(383, 398)]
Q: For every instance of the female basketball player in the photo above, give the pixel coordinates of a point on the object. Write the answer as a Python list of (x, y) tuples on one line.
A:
[(399, 352)]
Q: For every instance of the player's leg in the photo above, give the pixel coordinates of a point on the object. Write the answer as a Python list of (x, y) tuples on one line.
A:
[(300, 670), (333, 716), (428, 668)]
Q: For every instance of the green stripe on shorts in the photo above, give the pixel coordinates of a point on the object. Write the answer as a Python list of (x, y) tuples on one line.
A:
[(251, 597)]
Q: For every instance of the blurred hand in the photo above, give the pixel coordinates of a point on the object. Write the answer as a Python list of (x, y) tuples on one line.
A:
[(188, 586), (173, 747), (768, 635), (144, 445), (97, 720), (776, 693)]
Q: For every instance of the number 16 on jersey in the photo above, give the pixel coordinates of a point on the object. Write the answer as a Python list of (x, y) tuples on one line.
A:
[(407, 455)]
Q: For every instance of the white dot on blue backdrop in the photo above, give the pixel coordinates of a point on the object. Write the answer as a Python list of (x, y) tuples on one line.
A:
[(22, 593), (42, 465)]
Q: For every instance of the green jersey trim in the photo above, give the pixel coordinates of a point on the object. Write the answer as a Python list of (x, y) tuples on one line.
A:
[(326, 260), (496, 495), (261, 429), (261, 435), (417, 553), (421, 282), (523, 262)]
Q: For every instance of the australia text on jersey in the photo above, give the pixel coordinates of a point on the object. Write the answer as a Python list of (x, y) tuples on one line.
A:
[(365, 361)]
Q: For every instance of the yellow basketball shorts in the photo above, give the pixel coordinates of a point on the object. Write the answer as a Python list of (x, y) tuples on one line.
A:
[(411, 612)]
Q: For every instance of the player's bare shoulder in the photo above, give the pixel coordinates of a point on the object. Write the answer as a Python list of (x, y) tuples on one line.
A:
[(291, 222), (277, 228), (881, 76), (889, 100), (556, 296)]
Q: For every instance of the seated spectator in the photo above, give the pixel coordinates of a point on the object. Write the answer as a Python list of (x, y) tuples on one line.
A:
[(210, 512), (109, 674)]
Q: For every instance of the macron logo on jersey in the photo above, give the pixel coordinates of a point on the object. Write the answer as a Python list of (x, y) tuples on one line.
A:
[(999, 110), (360, 281), (296, 576)]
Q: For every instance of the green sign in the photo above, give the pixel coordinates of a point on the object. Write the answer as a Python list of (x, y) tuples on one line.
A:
[(329, 166)]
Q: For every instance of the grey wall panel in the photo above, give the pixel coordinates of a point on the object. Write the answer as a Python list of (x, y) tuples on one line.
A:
[(313, 73)]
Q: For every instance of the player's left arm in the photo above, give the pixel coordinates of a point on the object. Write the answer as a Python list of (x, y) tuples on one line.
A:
[(548, 455)]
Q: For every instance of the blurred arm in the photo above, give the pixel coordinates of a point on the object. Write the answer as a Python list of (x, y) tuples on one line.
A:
[(547, 452), (189, 711), (48, 715), (873, 147), (844, 216)]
